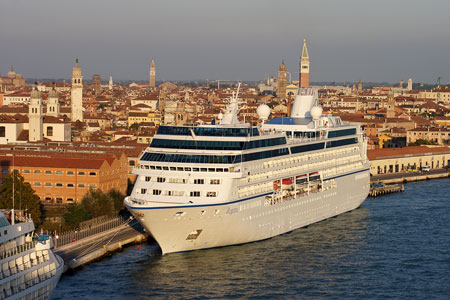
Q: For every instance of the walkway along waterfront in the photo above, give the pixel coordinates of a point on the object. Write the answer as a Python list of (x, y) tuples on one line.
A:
[(411, 176), (90, 247)]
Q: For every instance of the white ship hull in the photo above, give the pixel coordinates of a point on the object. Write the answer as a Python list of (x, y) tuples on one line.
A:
[(246, 220)]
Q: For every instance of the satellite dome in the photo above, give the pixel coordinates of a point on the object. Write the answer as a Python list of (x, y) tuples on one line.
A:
[(316, 112), (263, 111), (220, 116)]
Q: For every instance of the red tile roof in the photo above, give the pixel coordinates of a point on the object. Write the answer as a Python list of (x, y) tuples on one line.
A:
[(51, 162), (383, 153)]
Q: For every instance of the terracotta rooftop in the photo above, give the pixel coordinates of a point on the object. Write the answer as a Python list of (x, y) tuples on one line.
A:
[(51, 162), (384, 153)]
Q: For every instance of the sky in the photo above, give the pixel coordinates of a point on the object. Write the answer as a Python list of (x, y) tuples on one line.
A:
[(348, 40)]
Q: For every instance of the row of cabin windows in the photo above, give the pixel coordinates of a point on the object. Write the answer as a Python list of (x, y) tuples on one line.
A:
[(214, 159), (61, 185), (182, 180), (232, 159), (156, 192), (216, 145), (49, 172), (186, 169)]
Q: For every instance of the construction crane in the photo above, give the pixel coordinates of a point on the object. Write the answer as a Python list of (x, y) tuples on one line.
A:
[(438, 85)]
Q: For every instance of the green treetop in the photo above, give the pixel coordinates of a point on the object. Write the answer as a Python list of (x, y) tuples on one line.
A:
[(25, 197)]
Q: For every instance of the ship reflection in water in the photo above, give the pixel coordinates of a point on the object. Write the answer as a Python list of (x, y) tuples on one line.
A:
[(280, 266)]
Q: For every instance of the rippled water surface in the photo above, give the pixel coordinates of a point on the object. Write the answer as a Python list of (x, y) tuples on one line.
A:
[(395, 246)]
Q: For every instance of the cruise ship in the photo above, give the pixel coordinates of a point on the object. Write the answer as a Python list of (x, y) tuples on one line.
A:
[(29, 269), (231, 183)]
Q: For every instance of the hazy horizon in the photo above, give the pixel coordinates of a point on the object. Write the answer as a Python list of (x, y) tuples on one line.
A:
[(382, 41)]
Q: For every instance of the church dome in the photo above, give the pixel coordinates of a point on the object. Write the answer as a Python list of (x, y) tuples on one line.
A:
[(53, 93), (35, 94)]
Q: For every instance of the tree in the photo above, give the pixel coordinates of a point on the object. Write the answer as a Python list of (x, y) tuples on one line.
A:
[(78, 125), (25, 197), (117, 199), (97, 203), (76, 213), (135, 126)]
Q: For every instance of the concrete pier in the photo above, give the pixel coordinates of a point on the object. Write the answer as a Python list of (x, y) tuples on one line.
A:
[(386, 189), (99, 245)]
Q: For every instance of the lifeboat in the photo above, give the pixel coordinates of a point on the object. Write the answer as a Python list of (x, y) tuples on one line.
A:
[(276, 185), (301, 179), (287, 181)]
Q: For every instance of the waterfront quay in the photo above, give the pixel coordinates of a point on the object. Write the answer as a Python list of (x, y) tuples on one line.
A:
[(93, 247), (404, 177)]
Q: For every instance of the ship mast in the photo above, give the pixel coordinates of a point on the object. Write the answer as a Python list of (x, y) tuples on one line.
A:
[(232, 110)]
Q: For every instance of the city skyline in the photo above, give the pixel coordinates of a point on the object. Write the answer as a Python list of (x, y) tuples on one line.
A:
[(379, 42)]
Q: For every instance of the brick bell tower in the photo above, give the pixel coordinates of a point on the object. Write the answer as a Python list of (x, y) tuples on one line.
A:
[(304, 67)]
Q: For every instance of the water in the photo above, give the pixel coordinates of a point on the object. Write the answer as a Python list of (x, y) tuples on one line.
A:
[(393, 247)]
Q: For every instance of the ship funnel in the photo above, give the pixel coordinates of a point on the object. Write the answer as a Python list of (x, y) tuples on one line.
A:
[(304, 102)]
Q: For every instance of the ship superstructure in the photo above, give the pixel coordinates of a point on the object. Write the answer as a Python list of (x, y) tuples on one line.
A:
[(230, 183), (29, 269)]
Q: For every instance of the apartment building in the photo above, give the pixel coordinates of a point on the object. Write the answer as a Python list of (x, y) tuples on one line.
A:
[(67, 178)]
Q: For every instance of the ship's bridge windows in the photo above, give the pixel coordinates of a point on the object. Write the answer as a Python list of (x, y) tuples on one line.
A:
[(199, 181), (180, 169), (158, 168), (219, 170), (152, 167), (217, 145), (213, 159), (195, 169), (339, 133), (344, 142), (173, 169), (211, 194), (160, 179), (202, 169), (165, 168), (194, 194), (214, 181), (208, 131), (156, 192), (187, 169), (305, 134)]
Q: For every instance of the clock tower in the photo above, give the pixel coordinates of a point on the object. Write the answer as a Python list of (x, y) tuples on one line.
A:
[(304, 67)]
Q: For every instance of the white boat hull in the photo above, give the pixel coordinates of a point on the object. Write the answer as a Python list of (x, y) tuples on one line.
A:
[(188, 228)]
